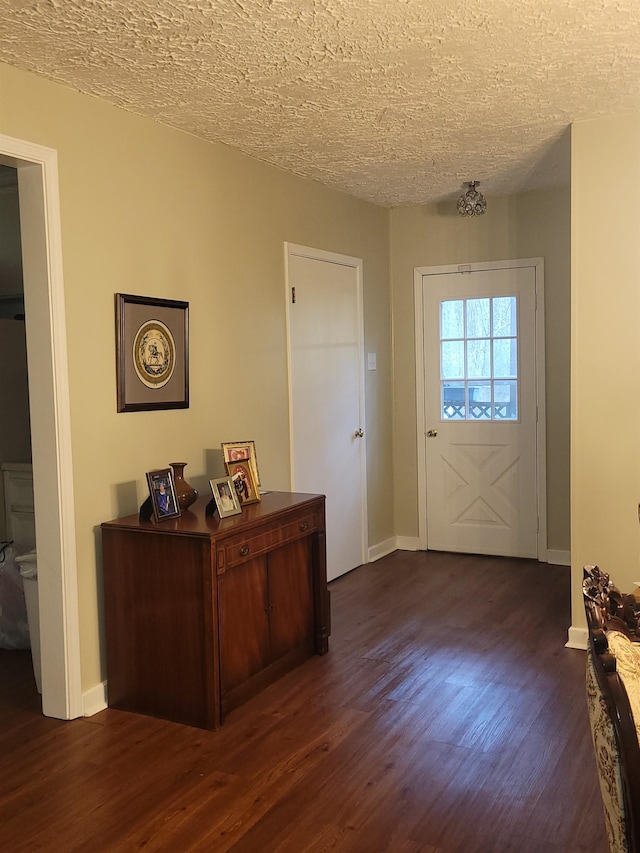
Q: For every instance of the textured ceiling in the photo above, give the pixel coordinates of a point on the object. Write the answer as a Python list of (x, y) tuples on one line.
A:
[(394, 101)]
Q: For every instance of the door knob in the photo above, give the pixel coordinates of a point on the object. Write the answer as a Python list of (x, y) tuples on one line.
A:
[(432, 433), (359, 433)]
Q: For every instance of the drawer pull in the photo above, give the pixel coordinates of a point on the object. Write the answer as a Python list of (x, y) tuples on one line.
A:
[(303, 526), (244, 550)]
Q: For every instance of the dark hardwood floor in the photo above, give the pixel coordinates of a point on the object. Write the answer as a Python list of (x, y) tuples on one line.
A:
[(448, 717)]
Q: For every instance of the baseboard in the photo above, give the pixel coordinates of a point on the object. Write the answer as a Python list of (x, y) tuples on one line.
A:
[(95, 700), (559, 558), (412, 543), (578, 638), (407, 543), (382, 549)]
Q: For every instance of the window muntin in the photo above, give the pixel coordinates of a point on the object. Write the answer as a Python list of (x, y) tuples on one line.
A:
[(479, 359)]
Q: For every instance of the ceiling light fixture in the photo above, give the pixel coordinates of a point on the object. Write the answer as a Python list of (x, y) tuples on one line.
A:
[(472, 203)]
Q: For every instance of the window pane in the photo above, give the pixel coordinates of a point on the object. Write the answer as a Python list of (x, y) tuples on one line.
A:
[(504, 316), (479, 358), (505, 358), (452, 319), (478, 325), (453, 405), (480, 401), (505, 402), (452, 360)]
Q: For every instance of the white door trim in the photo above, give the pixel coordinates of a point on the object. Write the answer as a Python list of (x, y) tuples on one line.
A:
[(421, 413), (293, 249), (50, 424)]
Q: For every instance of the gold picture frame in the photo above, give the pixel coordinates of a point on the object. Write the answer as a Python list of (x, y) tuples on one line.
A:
[(244, 483), (239, 451)]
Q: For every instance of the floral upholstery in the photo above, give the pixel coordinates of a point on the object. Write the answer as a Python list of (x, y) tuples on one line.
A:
[(607, 761), (628, 668)]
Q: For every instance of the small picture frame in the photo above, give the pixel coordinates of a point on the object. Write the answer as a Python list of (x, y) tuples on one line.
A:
[(162, 492), (241, 475), (152, 353), (241, 451), (225, 496)]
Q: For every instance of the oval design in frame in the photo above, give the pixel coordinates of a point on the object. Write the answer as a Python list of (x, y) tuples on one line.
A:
[(154, 354)]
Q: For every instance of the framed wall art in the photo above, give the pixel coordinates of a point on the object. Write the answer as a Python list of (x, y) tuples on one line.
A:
[(152, 353), (241, 474), (225, 496), (242, 451), (162, 492)]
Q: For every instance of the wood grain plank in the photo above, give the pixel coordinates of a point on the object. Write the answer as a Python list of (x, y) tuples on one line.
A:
[(447, 718)]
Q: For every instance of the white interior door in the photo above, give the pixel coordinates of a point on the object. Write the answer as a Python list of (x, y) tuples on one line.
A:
[(326, 396), (480, 411)]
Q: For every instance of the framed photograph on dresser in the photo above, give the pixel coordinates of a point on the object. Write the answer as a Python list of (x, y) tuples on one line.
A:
[(162, 492), (246, 488), (225, 496), (242, 451)]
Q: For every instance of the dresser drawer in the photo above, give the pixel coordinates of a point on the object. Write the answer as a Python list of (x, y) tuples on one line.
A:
[(238, 549)]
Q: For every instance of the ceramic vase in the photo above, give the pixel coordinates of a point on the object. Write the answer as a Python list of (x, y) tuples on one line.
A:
[(185, 493)]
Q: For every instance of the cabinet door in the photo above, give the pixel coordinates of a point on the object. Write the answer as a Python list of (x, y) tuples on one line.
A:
[(290, 598), (244, 622)]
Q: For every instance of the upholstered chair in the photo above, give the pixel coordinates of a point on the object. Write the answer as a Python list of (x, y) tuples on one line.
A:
[(613, 701)]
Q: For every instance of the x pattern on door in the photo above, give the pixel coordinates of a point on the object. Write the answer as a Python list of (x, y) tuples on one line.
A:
[(481, 484)]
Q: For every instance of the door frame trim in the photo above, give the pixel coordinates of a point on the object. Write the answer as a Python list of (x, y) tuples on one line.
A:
[(40, 225), (421, 413), (291, 250)]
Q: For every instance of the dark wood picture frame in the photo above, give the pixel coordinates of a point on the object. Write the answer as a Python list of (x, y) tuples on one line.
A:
[(162, 491), (152, 353)]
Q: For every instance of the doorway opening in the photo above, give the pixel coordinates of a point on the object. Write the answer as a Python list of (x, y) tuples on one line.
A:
[(38, 193)]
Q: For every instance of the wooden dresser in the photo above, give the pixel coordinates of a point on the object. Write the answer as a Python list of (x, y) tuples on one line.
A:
[(201, 612)]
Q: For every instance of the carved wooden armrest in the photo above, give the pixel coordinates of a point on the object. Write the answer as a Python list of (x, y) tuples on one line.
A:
[(615, 610)]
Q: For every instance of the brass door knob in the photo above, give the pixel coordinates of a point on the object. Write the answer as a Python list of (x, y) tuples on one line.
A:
[(359, 433), (432, 433)]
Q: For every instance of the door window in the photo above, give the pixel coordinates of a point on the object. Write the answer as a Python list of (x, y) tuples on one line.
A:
[(479, 359)]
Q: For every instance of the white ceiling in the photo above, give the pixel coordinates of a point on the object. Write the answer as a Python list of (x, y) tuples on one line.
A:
[(395, 101)]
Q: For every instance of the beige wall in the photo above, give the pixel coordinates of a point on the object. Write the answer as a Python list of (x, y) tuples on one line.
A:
[(605, 441), (148, 210), (534, 224)]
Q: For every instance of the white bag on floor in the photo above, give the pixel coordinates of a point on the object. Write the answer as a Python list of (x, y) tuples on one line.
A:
[(14, 626)]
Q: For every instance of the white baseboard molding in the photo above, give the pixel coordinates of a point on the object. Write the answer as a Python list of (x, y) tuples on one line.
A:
[(407, 543), (395, 543), (578, 638), (559, 558), (382, 549), (95, 699), (412, 543)]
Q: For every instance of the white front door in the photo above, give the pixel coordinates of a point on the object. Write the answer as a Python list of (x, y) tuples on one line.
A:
[(324, 298), (480, 375)]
